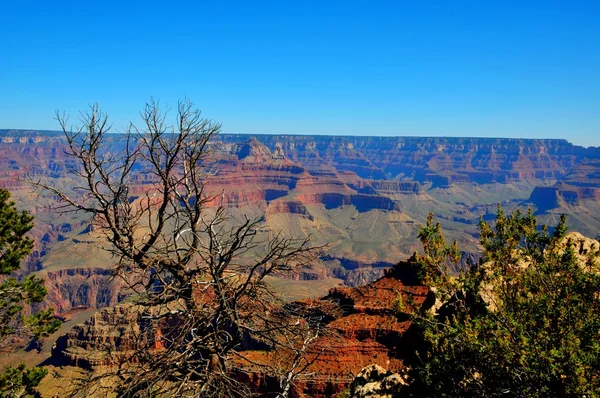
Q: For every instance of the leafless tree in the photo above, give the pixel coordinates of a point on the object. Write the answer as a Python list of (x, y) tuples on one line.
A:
[(197, 304)]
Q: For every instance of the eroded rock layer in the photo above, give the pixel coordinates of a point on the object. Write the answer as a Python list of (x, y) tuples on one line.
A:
[(361, 197), (369, 329), (364, 325)]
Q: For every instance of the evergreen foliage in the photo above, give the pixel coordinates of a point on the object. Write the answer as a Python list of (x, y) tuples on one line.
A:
[(524, 322), (15, 294)]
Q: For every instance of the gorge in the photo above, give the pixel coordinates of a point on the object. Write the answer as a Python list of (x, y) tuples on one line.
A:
[(364, 197)]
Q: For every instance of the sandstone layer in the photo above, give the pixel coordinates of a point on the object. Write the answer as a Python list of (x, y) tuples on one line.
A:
[(362, 197)]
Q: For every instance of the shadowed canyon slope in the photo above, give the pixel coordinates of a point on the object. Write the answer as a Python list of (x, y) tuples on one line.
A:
[(364, 197)]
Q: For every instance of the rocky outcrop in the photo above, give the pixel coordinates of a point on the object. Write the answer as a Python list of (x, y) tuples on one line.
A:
[(370, 329), (374, 381), (288, 207), (561, 194), (385, 187), (363, 203), (253, 151), (83, 288), (107, 338)]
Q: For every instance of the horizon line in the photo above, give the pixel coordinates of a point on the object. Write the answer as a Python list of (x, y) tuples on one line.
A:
[(6, 130)]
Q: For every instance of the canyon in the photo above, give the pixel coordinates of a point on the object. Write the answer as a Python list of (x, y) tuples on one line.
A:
[(362, 198), (364, 325), (364, 330)]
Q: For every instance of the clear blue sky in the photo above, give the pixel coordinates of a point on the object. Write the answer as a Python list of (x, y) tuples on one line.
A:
[(452, 68)]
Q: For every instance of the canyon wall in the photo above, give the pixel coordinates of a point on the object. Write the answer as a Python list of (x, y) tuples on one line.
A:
[(364, 325), (363, 198)]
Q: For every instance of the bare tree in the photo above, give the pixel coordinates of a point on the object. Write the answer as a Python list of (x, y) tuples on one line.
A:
[(197, 303)]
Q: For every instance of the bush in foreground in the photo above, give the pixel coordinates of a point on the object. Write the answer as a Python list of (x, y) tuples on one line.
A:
[(525, 321)]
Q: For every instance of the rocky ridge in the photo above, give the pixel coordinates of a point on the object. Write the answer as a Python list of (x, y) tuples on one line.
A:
[(365, 325), (362, 196), (369, 329)]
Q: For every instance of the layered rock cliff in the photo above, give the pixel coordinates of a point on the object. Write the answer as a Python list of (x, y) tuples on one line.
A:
[(363, 197), (369, 329), (364, 325), (83, 288), (481, 160), (103, 340)]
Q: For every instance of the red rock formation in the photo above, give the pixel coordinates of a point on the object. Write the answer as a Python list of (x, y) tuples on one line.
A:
[(370, 330), (365, 325), (289, 207), (81, 288)]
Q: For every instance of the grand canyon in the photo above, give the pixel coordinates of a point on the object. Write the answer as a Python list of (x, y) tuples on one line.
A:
[(299, 199), (362, 199)]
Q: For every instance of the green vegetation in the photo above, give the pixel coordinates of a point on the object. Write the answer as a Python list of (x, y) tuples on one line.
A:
[(15, 294), (525, 321), (398, 304), (344, 394), (434, 266)]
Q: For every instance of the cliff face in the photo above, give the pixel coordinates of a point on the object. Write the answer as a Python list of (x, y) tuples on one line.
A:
[(364, 325), (421, 159), (102, 340), (581, 184), (481, 160), (370, 329), (82, 288), (363, 197)]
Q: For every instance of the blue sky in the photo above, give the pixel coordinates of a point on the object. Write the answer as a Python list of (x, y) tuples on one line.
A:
[(449, 68)]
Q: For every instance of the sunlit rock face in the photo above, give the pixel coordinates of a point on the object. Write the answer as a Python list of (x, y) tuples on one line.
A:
[(83, 288), (363, 326), (363, 198)]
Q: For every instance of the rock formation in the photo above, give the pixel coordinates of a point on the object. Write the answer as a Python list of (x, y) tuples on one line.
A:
[(365, 326), (369, 330), (374, 381), (82, 288), (363, 197), (103, 340)]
